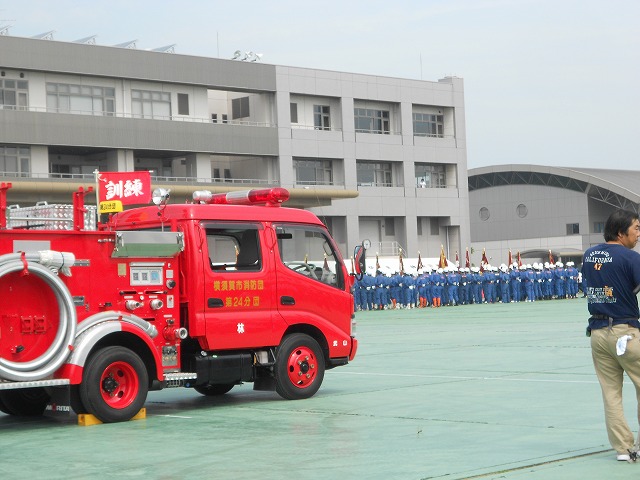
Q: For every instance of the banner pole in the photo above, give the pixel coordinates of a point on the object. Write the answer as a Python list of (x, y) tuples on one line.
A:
[(96, 173)]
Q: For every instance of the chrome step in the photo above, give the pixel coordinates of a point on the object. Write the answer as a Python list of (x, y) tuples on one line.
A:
[(54, 382)]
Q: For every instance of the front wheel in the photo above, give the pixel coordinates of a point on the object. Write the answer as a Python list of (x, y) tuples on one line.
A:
[(299, 367), (115, 384)]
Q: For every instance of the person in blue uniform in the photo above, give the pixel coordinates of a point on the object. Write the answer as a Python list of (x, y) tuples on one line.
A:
[(464, 286), (438, 280), (476, 285), (559, 275), (572, 280), (514, 280), (505, 280), (453, 281), (612, 272)]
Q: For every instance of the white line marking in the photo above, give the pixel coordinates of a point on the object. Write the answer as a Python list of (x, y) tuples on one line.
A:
[(455, 377)]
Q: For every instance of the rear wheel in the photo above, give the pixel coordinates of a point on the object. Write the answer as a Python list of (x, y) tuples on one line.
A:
[(24, 402), (299, 367), (214, 390), (115, 384)]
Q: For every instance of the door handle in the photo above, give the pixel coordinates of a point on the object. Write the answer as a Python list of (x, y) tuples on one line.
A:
[(287, 300), (215, 303)]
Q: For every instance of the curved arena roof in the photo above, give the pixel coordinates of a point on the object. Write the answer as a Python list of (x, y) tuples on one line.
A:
[(618, 188)]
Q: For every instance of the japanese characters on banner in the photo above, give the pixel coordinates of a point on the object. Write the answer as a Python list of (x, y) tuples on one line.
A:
[(116, 189)]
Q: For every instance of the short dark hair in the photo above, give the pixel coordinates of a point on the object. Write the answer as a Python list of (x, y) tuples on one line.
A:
[(618, 222)]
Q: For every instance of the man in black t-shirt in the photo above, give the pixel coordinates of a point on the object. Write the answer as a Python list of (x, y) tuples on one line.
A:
[(612, 274)]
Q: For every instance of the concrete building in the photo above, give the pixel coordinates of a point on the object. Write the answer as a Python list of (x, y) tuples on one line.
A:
[(376, 158), (533, 209)]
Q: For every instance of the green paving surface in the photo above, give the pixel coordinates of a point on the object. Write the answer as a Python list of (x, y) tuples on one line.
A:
[(481, 391)]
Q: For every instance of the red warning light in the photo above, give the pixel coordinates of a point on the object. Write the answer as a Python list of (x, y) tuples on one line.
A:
[(266, 196)]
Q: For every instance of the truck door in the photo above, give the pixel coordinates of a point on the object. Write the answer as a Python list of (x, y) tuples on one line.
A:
[(311, 284), (239, 289)]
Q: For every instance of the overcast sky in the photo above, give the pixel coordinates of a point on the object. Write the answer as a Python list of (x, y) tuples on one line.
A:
[(548, 82)]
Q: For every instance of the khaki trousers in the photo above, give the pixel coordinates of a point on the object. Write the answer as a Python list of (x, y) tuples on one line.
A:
[(609, 369)]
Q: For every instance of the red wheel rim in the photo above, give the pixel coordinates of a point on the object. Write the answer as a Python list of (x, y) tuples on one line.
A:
[(119, 385), (302, 367)]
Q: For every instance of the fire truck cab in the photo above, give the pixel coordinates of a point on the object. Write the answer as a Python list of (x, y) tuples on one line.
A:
[(228, 289)]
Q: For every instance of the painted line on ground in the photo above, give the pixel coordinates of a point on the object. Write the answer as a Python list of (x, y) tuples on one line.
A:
[(458, 377)]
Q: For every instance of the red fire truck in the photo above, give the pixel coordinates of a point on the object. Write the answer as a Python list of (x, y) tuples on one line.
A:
[(230, 288)]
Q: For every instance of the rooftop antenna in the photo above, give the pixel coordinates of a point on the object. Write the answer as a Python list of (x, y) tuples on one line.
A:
[(166, 49), (87, 40), (45, 36), (130, 44), (5, 30)]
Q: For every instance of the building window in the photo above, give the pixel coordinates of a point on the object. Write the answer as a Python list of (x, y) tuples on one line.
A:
[(427, 125), (374, 174), (240, 107), (598, 227), (484, 214), (15, 160), (573, 228), (294, 112), (321, 117), (183, 104), (225, 118), (419, 229), (522, 210), (82, 99), (313, 172), (430, 175), (14, 94), (371, 121), (214, 117), (150, 104)]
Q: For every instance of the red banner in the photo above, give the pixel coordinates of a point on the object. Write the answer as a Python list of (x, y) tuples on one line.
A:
[(130, 188), (467, 261)]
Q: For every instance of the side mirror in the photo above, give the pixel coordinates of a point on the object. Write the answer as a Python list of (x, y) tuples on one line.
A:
[(359, 257)]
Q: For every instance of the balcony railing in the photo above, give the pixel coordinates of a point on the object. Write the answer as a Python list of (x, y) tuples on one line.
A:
[(89, 177), (174, 118)]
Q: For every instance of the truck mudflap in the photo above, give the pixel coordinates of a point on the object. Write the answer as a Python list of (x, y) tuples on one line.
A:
[(94, 328)]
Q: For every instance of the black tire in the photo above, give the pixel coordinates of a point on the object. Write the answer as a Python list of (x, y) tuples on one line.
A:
[(114, 384), (75, 402), (214, 390), (24, 402), (299, 367)]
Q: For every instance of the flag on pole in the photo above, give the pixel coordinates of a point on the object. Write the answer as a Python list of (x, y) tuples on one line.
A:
[(401, 263), (551, 260), (467, 262), (457, 260), (484, 262), (377, 262), (442, 263), (420, 265), (116, 189), (510, 259), (519, 259)]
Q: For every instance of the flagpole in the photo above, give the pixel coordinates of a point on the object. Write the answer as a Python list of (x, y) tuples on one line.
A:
[(96, 173)]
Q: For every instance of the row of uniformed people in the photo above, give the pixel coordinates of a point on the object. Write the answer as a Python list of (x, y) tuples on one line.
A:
[(452, 286)]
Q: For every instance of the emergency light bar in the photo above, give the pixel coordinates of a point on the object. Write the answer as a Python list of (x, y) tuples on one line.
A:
[(265, 196)]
